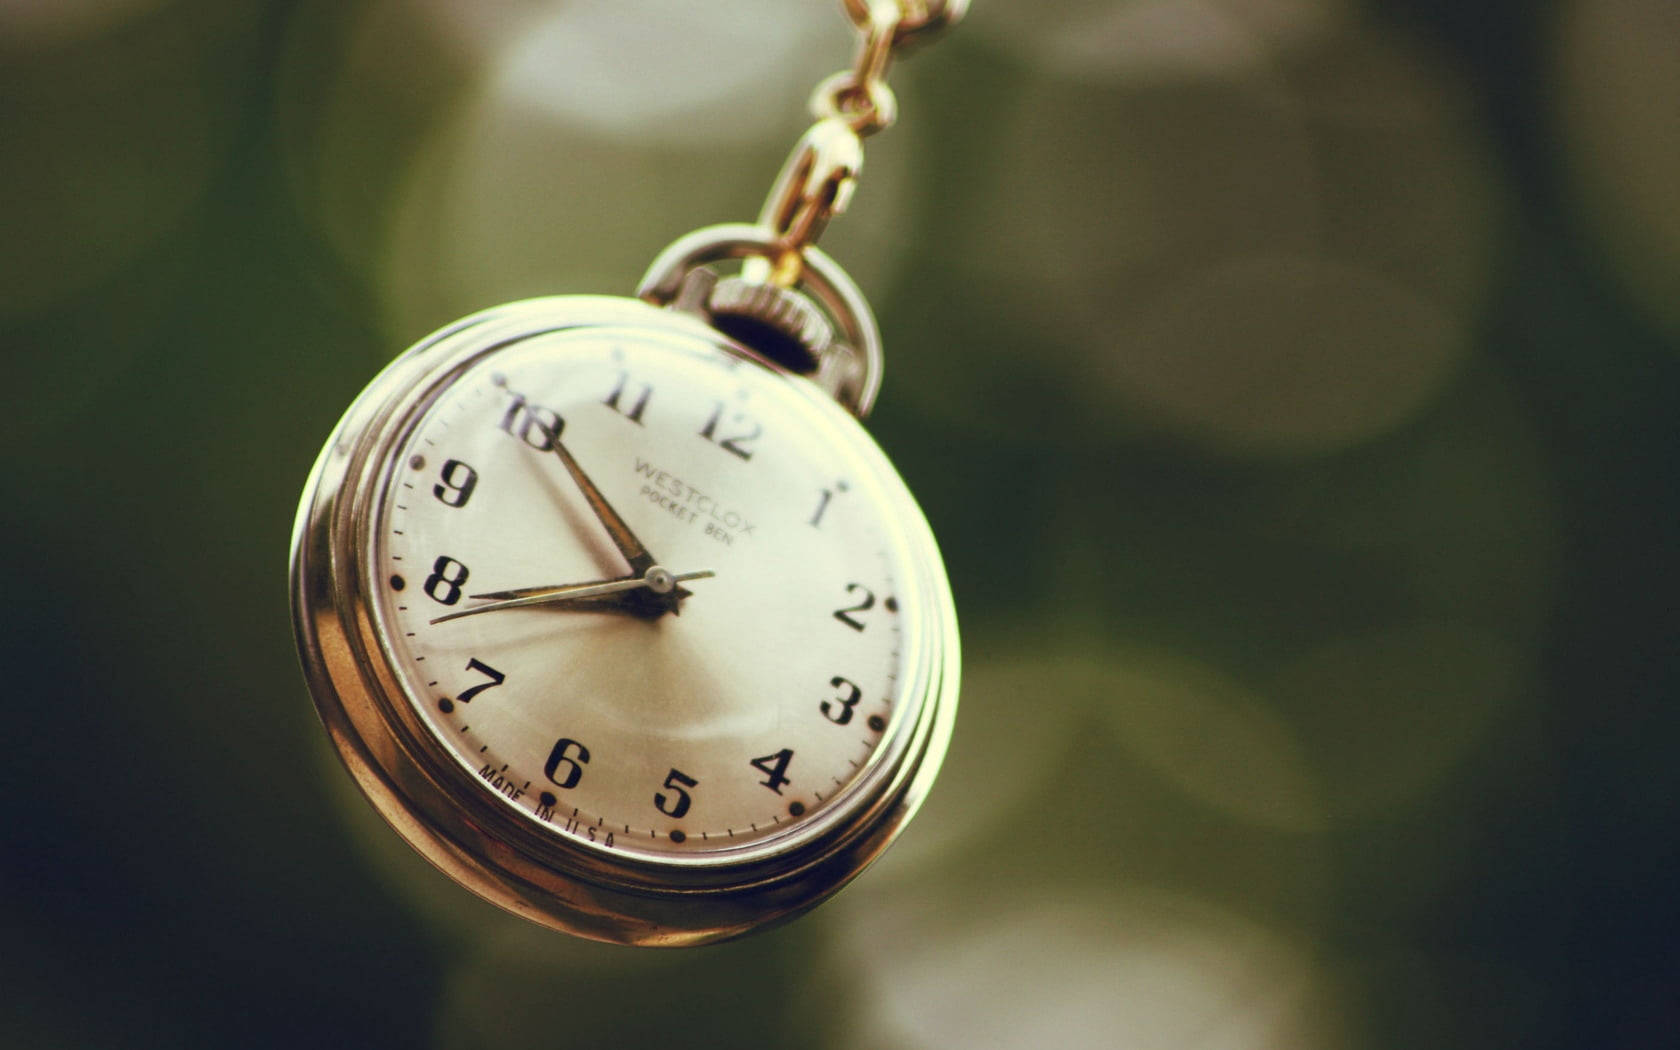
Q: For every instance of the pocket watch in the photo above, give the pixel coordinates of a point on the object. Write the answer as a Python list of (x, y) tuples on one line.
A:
[(612, 607)]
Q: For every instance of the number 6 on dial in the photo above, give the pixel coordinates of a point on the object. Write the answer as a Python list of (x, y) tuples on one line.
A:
[(568, 759)]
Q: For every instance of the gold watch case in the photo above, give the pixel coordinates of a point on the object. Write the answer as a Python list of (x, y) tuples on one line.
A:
[(454, 818)]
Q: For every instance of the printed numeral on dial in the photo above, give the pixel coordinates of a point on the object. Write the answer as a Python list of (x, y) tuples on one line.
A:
[(444, 584), (736, 440), (535, 425), (845, 615), (630, 407), (567, 759), (457, 484), (774, 768), (495, 678), (839, 709), (675, 805)]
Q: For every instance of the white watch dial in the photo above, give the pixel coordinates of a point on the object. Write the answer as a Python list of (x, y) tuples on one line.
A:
[(726, 698)]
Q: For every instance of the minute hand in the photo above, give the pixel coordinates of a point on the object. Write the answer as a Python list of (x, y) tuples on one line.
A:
[(625, 540), (570, 593)]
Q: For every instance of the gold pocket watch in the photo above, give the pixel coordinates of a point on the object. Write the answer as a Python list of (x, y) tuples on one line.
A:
[(612, 607)]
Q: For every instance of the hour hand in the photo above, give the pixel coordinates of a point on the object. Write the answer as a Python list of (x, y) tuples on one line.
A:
[(641, 562)]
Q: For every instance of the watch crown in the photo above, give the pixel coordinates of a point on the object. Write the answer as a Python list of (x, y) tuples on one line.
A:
[(778, 323)]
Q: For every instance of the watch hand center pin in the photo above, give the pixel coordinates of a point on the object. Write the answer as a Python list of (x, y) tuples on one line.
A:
[(659, 580)]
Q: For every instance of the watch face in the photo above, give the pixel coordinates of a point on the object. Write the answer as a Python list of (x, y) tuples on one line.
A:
[(750, 680)]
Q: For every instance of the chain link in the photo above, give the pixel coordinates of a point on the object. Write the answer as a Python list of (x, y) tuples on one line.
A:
[(919, 21), (817, 180)]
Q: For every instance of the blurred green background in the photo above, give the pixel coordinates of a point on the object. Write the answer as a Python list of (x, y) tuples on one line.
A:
[(1292, 384)]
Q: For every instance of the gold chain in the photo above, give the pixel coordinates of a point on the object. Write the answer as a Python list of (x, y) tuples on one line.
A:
[(817, 181)]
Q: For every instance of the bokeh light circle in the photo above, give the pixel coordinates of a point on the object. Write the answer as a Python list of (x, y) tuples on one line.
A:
[(56, 23), (1386, 716), (1215, 740), (1618, 73), (1019, 712), (1097, 40), (669, 71), (1077, 968), (1273, 246), (507, 199), (1283, 354)]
